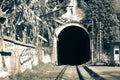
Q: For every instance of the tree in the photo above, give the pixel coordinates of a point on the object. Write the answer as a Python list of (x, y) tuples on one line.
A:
[(102, 11)]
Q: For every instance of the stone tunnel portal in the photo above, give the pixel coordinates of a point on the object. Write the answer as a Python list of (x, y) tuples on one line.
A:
[(73, 46)]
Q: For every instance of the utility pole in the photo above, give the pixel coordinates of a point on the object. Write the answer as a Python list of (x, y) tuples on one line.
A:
[(92, 47), (100, 51)]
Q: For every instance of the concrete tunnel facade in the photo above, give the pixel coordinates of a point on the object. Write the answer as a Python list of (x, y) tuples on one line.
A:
[(71, 45)]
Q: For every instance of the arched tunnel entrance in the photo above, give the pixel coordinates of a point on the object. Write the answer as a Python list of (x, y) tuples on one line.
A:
[(73, 46)]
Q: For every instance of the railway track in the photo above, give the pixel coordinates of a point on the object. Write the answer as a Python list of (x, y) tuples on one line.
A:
[(62, 73), (59, 77), (78, 73)]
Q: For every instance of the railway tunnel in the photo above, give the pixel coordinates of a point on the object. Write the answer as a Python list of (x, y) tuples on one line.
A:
[(72, 45)]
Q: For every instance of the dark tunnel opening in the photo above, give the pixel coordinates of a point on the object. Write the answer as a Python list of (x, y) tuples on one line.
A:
[(73, 46)]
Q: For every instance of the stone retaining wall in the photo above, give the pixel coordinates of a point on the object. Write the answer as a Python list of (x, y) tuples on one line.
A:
[(16, 57)]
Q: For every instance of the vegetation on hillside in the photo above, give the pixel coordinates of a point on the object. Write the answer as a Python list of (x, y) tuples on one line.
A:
[(24, 20), (102, 22)]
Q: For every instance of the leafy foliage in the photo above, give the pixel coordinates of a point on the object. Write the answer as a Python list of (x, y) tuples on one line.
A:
[(102, 12)]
